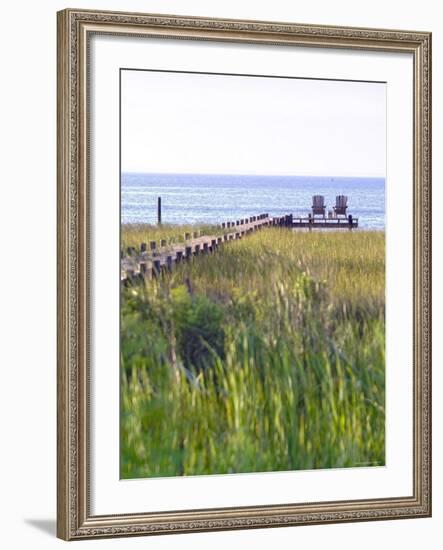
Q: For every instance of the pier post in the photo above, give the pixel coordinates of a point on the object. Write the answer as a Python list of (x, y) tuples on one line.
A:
[(156, 267), (159, 210)]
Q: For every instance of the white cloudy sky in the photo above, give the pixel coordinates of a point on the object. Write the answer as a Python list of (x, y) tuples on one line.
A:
[(189, 123)]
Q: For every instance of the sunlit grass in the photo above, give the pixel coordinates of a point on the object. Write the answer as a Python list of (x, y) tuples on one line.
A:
[(268, 355)]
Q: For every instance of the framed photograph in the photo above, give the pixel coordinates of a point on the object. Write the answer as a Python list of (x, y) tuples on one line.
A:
[(244, 250)]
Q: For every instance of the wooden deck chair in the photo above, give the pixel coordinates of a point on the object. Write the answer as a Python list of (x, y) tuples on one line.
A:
[(318, 205), (341, 202)]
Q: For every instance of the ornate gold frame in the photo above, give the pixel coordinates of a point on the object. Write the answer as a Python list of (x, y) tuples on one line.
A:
[(73, 516)]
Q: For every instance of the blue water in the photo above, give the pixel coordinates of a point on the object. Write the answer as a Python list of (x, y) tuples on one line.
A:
[(200, 198)]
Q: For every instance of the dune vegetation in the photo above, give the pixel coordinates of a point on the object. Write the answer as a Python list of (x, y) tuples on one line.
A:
[(268, 355)]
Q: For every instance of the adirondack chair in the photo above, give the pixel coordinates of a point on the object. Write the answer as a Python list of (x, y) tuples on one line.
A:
[(341, 202), (318, 205)]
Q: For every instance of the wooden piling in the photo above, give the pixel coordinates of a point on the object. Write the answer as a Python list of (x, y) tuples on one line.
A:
[(159, 210)]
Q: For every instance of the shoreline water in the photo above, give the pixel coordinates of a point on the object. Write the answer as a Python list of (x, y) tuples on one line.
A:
[(212, 199)]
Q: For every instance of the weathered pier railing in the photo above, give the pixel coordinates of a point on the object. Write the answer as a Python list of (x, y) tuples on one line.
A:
[(154, 257), (310, 222)]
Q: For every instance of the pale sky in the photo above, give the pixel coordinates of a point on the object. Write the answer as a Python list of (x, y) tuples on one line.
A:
[(191, 123)]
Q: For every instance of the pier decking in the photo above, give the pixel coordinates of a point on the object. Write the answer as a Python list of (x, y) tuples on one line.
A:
[(141, 262), (163, 255)]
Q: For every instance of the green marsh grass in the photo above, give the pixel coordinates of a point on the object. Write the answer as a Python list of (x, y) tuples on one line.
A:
[(133, 235), (266, 356)]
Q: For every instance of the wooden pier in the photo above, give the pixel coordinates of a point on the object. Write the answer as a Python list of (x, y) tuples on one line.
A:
[(326, 223), (150, 261), (310, 222), (160, 256)]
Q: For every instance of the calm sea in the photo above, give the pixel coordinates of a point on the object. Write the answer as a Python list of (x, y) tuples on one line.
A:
[(200, 198)]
